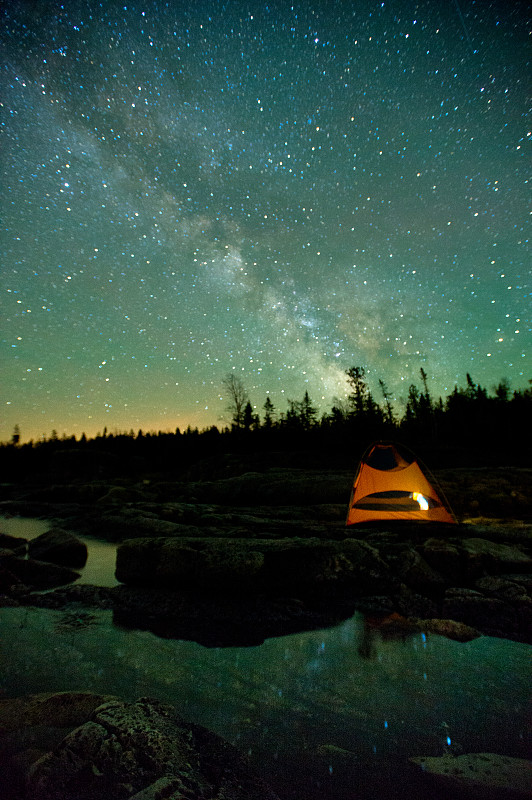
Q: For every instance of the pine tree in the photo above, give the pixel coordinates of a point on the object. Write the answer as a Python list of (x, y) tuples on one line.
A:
[(357, 378), (269, 413), (388, 415), (307, 412), (248, 418)]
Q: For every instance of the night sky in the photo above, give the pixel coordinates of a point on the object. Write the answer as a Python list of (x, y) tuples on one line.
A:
[(283, 191)]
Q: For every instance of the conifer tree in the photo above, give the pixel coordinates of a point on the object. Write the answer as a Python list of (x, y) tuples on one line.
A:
[(307, 412), (269, 413)]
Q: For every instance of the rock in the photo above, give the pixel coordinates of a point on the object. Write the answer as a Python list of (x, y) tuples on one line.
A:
[(128, 750), (78, 593), (418, 574), (59, 547), (485, 776), (495, 557), (396, 625), (119, 495), (465, 561), (9, 582), (444, 557), (514, 591), (488, 614), (38, 574), (414, 604), (333, 750), (502, 588), (131, 523), (55, 709), (31, 726), (162, 788), (15, 543), (285, 565), (448, 628)]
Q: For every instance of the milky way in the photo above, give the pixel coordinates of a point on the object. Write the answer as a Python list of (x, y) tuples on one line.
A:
[(279, 190)]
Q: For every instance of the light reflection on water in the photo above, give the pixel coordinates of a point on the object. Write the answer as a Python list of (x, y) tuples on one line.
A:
[(334, 713)]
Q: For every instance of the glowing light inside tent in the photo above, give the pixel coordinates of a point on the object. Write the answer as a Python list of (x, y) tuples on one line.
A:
[(422, 500)]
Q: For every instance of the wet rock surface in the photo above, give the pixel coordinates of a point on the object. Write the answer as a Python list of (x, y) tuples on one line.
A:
[(484, 776), (102, 747)]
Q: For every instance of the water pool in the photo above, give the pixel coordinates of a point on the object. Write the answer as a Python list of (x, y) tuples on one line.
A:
[(333, 713)]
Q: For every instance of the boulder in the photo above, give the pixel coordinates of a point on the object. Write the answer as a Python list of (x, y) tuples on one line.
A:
[(418, 574), (143, 749), (484, 776), (59, 547), (38, 574), (443, 556)]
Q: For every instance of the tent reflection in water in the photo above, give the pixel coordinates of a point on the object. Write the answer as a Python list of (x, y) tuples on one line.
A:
[(387, 487)]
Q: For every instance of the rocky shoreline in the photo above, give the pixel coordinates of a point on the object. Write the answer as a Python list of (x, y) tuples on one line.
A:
[(239, 591), (233, 573), (267, 552)]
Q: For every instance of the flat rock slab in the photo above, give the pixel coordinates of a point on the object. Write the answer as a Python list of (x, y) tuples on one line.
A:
[(483, 776), (273, 565)]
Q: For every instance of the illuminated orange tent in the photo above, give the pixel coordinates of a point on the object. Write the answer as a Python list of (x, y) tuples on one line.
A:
[(387, 487)]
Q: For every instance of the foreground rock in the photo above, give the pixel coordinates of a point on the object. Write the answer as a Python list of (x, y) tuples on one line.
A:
[(32, 725), (59, 547), (483, 776), (142, 751)]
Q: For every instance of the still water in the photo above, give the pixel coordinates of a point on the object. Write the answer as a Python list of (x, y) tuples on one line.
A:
[(330, 714), (100, 567)]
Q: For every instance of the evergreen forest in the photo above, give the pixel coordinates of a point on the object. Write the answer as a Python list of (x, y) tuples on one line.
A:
[(470, 427)]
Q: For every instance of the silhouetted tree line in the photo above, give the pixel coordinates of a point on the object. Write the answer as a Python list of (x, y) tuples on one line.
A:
[(468, 426)]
